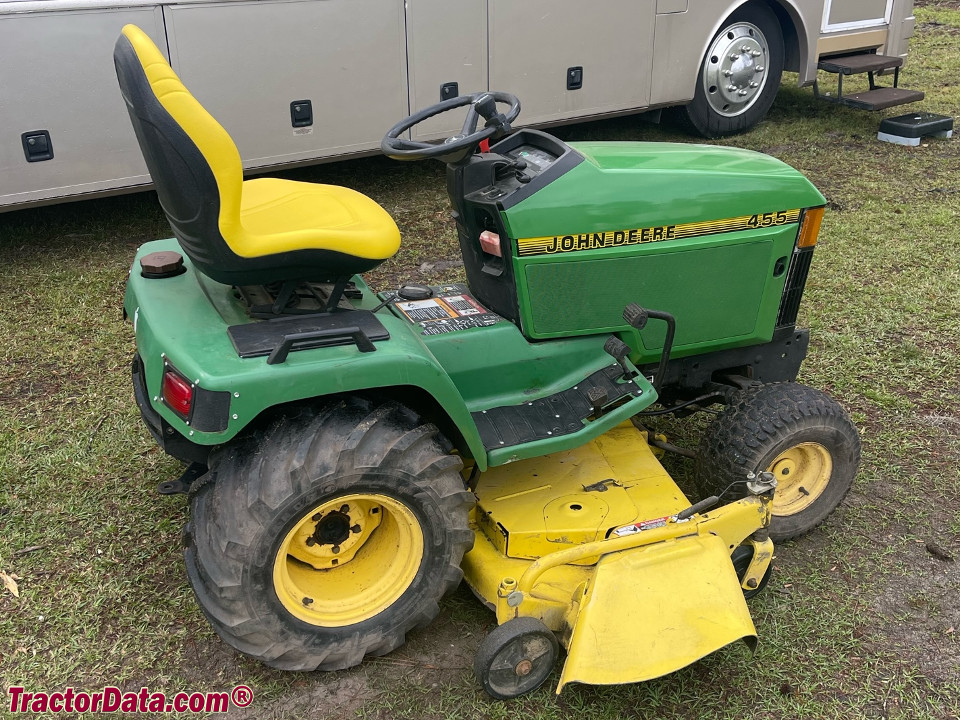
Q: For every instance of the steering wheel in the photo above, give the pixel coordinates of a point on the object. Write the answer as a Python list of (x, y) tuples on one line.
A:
[(462, 145)]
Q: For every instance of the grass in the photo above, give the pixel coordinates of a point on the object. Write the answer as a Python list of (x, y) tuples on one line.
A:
[(860, 621)]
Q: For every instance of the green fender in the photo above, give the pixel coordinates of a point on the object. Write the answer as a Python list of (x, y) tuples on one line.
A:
[(183, 321)]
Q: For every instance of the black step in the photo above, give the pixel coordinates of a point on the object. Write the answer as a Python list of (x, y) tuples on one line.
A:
[(559, 414), (881, 98), (854, 64)]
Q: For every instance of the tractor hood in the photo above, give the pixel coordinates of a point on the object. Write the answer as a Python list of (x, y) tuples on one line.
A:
[(639, 184)]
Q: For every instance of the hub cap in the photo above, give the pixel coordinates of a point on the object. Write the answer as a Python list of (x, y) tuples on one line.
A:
[(348, 559), (735, 69), (803, 473)]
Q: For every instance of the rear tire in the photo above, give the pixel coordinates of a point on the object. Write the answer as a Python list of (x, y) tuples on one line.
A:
[(725, 102), (328, 536), (796, 432)]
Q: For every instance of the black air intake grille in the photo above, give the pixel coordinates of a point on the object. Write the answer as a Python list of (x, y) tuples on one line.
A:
[(793, 289)]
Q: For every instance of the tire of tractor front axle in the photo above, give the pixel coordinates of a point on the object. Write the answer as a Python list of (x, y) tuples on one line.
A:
[(328, 536), (796, 432)]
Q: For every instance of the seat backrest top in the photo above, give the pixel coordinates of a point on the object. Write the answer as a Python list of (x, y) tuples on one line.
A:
[(195, 165)]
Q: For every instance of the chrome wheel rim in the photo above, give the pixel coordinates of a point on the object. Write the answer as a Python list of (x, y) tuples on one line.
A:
[(735, 70)]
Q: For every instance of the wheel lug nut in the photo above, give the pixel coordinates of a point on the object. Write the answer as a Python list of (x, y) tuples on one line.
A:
[(728, 73), (335, 549), (741, 93), (754, 85), (732, 88), (316, 518), (759, 68), (344, 509), (355, 528), (311, 542), (744, 48), (734, 56), (756, 53)]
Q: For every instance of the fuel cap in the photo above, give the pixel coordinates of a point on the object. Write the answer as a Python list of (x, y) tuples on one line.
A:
[(162, 264)]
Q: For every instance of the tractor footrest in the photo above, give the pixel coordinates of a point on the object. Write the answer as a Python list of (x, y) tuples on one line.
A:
[(881, 98), (559, 414)]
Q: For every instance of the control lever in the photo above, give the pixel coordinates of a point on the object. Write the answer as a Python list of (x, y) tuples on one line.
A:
[(618, 350), (511, 168), (637, 317), (704, 504), (598, 398)]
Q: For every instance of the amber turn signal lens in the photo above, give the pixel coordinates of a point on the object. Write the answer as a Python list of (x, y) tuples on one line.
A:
[(810, 228)]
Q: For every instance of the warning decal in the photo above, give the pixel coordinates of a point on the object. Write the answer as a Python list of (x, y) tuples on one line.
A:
[(450, 310)]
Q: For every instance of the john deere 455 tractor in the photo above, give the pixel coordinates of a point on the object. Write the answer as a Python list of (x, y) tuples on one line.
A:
[(354, 454)]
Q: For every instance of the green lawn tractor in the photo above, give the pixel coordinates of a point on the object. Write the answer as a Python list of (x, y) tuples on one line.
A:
[(354, 454)]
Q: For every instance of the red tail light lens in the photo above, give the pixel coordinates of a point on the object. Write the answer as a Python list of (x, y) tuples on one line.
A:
[(177, 393)]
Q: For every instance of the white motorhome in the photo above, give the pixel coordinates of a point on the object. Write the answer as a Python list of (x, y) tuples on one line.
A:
[(300, 81)]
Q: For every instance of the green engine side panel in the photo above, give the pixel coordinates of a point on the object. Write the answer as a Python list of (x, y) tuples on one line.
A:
[(723, 294), (702, 232)]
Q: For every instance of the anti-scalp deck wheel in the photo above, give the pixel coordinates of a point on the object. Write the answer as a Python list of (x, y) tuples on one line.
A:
[(799, 434), (328, 536), (516, 658), (741, 558)]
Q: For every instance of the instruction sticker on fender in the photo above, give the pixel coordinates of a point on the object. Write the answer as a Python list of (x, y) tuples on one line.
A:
[(432, 309), (447, 313)]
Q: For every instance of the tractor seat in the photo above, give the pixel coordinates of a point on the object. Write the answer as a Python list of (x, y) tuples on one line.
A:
[(240, 232)]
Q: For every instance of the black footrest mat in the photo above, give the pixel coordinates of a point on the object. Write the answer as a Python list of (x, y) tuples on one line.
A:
[(560, 414), (255, 339)]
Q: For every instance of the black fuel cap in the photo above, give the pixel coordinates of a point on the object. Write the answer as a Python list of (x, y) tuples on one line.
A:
[(415, 292)]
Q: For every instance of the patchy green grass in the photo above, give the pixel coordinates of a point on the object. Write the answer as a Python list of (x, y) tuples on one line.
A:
[(860, 621)]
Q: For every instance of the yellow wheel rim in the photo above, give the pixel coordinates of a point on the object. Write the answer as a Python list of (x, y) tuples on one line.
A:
[(348, 560), (803, 473)]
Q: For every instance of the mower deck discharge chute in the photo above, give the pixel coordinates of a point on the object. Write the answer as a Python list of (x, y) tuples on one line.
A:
[(633, 583), (352, 454)]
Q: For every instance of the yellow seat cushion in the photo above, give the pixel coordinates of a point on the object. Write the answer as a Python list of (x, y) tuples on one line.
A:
[(282, 215)]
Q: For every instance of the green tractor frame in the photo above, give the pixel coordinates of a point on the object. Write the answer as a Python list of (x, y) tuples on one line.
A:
[(353, 454)]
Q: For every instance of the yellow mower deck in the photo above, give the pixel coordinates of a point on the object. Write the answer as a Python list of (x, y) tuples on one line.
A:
[(587, 541)]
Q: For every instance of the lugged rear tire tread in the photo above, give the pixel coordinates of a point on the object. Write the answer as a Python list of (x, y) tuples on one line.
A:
[(318, 451)]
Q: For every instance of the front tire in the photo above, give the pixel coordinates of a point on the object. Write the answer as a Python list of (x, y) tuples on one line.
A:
[(328, 536), (739, 76), (799, 434)]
